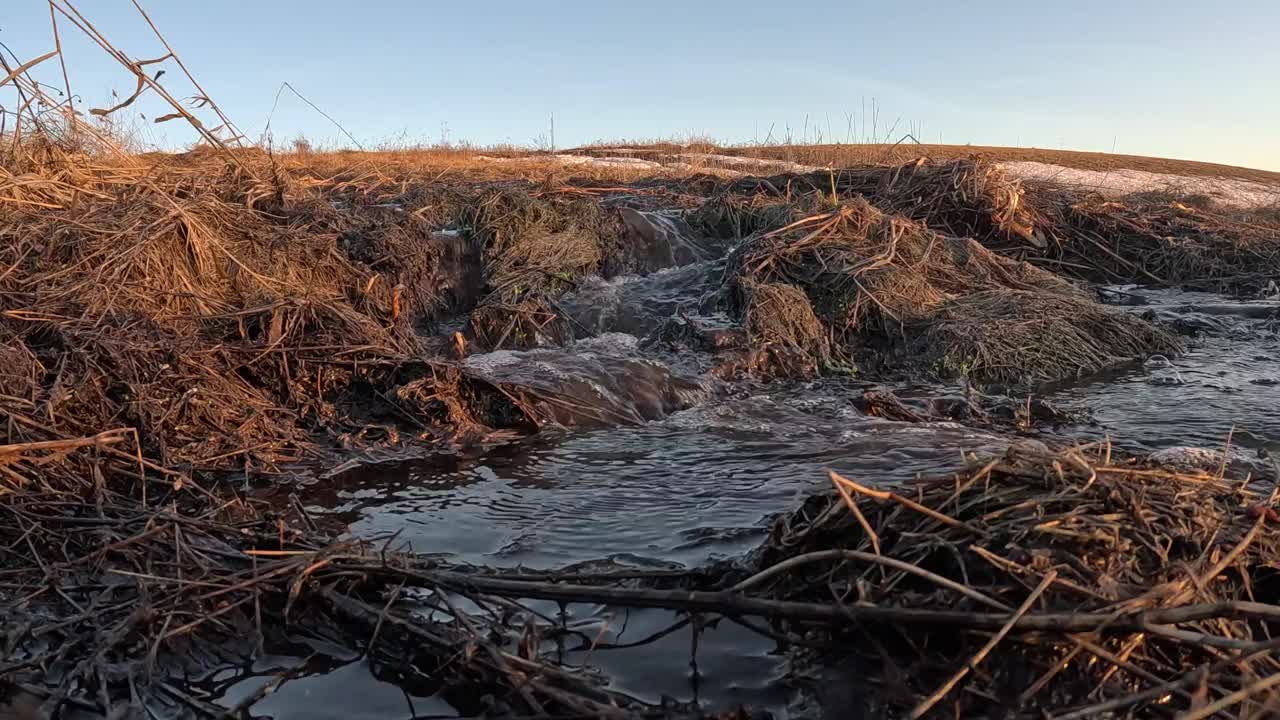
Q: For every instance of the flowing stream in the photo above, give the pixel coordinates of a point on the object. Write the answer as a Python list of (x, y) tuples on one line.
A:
[(674, 468)]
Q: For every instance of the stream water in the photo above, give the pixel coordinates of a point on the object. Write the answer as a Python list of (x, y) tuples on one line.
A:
[(684, 469)]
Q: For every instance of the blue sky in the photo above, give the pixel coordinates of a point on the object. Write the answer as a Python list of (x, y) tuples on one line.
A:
[(1175, 79)]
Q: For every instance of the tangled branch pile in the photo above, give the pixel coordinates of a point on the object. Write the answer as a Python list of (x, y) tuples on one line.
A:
[(889, 285), (965, 198), (1169, 241), (122, 575), (1060, 583), (972, 197), (1065, 583)]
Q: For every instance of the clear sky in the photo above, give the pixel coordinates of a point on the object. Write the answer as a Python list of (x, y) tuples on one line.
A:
[(1176, 78)]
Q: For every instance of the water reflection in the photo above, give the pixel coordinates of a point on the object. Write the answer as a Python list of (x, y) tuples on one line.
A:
[(326, 687)]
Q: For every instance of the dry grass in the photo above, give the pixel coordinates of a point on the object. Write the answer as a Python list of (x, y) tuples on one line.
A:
[(781, 315), (538, 245), (948, 304), (244, 309), (426, 166), (737, 215), (1020, 336), (1171, 241), (519, 325), (186, 298), (1148, 238)]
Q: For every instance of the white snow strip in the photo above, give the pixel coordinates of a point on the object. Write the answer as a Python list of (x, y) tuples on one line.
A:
[(748, 162), (1232, 192)]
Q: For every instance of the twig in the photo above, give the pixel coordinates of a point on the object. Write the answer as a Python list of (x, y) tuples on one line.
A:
[(824, 555), (25, 67), (178, 59), (906, 502), (941, 692), (1152, 693), (313, 107), (62, 60), (1238, 696)]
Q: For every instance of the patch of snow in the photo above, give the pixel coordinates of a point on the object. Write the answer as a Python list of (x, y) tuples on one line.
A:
[(606, 161), (1231, 192), (576, 160), (780, 166)]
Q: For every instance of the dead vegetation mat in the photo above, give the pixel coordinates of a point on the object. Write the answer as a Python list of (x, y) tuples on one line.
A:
[(964, 198), (535, 246), (240, 323), (1039, 584), (891, 292), (1150, 238), (1163, 239), (121, 578), (1069, 585)]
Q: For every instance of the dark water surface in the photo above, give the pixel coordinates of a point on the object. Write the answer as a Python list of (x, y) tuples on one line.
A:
[(1228, 381), (683, 489)]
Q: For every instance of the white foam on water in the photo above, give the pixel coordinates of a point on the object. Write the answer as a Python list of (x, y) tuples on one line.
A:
[(1194, 458), (614, 343), (485, 362)]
